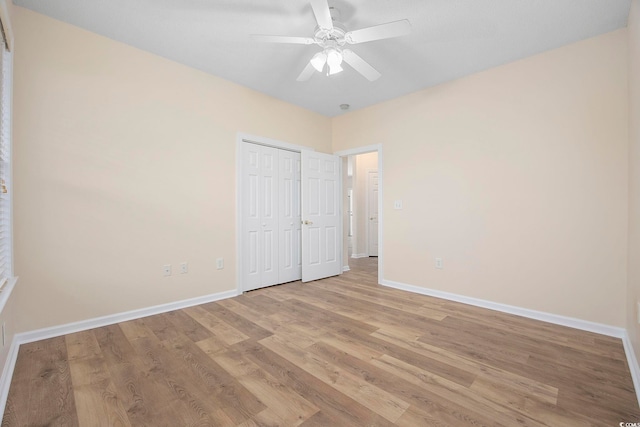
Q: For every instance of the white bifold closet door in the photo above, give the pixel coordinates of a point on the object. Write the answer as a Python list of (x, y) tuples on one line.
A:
[(270, 190), (280, 192), (321, 214), (290, 246)]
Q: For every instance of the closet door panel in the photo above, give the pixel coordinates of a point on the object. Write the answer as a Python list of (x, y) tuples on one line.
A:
[(259, 192), (320, 201), (289, 233), (269, 204), (250, 217)]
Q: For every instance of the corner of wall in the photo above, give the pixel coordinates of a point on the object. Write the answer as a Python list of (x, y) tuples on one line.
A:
[(633, 250)]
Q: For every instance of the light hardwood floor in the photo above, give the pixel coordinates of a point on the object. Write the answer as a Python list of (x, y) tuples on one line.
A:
[(336, 352)]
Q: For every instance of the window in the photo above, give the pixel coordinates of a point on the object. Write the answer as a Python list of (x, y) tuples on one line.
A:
[(6, 247)]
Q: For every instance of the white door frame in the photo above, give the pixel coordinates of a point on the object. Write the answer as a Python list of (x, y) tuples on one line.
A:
[(363, 150), (368, 211), (242, 138)]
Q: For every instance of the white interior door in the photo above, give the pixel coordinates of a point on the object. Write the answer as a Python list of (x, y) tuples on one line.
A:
[(321, 219), (259, 191), (290, 245), (372, 209)]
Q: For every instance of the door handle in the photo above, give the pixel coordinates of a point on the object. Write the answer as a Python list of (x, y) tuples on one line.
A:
[(307, 222)]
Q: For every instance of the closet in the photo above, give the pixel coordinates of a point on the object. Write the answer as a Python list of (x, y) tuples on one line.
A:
[(290, 223), (271, 220)]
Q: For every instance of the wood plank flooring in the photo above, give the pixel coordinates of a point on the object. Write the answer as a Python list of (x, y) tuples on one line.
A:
[(342, 351)]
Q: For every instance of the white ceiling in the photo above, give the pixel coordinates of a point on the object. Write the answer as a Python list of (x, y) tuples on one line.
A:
[(449, 39)]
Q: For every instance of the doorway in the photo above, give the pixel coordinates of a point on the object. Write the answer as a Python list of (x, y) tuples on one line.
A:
[(363, 218)]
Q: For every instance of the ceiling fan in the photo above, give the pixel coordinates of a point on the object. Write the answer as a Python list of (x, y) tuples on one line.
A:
[(332, 38)]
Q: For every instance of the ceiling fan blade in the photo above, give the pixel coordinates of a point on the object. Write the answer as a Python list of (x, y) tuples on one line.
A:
[(306, 73), (322, 13), (281, 39), (378, 32), (360, 65)]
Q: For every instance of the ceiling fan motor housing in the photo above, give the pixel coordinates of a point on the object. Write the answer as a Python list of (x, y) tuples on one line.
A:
[(330, 38)]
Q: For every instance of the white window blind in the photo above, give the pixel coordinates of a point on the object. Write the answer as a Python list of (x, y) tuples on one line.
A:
[(6, 264)]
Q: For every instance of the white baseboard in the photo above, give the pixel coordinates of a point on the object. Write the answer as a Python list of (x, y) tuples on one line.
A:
[(571, 322), (83, 325), (345, 268), (97, 322), (632, 361), (359, 256)]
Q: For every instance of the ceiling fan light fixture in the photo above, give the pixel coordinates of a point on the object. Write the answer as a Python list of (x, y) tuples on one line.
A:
[(334, 57), (335, 69), (318, 61), (334, 60)]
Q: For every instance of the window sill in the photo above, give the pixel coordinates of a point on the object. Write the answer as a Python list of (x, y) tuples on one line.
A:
[(6, 291)]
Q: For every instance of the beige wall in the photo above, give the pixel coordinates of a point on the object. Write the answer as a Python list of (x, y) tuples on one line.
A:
[(124, 162), (634, 175), (362, 165), (516, 177)]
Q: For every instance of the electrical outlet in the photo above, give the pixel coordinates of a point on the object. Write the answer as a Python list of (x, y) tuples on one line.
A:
[(166, 269), (220, 263), (184, 268), (397, 204), (439, 263)]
